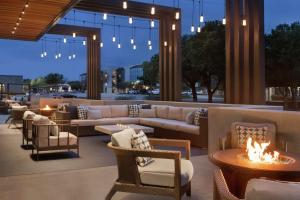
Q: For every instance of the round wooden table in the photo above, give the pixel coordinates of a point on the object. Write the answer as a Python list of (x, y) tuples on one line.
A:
[(238, 171)]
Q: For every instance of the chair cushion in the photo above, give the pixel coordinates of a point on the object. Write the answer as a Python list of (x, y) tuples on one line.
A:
[(123, 138), (162, 111), (262, 189), (161, 172), (140, 141), (175, 113), (119, 111), (28, 115), (260, 132), (202, 112), (63, 140), (147, 113), (105, 110), (134, 110), (82, 112), (94, 114)]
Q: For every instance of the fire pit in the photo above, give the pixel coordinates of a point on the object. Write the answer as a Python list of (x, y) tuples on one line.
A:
[(47, 111), (241, 165)]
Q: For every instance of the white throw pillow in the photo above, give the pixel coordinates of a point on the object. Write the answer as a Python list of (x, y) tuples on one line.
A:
[(82, 112), (123, 138), (94, 114), (140, 141)]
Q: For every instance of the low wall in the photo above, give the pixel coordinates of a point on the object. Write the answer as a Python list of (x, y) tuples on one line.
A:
[(220, 120)]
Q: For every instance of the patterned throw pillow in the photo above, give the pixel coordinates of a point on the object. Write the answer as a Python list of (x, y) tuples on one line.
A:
[(134, 110), (140, 141), (82, 112), (257, 134), (200, 113)]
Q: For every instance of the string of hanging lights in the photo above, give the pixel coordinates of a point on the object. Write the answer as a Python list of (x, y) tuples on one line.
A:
[(20, 17), (193, 13)]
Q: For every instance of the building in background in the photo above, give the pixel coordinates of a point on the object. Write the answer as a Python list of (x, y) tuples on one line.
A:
[(11, 84), (136, 72), (118, 80), (83, 80)]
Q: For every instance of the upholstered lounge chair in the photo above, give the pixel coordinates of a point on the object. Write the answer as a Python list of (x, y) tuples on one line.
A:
[(257, 189), (168, 175)]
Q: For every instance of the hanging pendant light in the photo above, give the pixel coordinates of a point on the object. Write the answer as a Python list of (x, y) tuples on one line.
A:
[(65, 40), (74, 35), (153, 8), (201, 16), (119, 37), (224, 21), (59, 55), (74, 55), (42, 55), (104, 16), (173, 27), (70, 57), (134, 47), (193, 13), (130, 20), (150, 37), (101, 44), (125, 6), (114, 36), (83, 42), (192, 28), (152, 23), (199, 29), (165, 43), (150, 47), (244, 21), (56, 56), (224, 18), (177, 15), (94, 37)]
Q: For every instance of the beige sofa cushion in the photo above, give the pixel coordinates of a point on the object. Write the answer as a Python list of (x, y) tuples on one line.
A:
[(63, 140), (175, 113), (147, 113), (189, 128), (105, 110), (186, 111), (119, 111), (162, 111), (94, 114), (161, 172), (262, 189), (106, 121), (123, 138)]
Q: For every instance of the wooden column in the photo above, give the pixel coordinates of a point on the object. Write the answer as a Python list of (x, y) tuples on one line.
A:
[(245, 58), (93, 55)]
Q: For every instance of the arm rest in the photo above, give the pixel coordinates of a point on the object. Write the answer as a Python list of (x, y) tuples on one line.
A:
[(173, 143), (221, 190)]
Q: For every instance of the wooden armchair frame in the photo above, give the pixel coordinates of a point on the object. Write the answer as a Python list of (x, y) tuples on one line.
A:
[(62, 127), (129, 177)]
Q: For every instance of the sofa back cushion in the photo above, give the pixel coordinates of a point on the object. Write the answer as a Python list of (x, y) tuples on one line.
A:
[(123, 138), (94, 114), (186, 111), (175, 113), (258, 189), (119, 111), (162, 111), (105, 110), (147, 113), (43, 124)]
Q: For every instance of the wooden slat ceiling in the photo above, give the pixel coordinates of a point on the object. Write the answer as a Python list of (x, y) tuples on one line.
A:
[(39, 17)]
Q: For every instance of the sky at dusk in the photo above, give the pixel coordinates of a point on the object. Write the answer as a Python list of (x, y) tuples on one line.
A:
[(23, 58)]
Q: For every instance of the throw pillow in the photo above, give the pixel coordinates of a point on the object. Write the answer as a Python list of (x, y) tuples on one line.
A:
[(82, 112), (200, 113), (134, 110), (147, 113), (257, 134), (140, 141), (73, 111), (62, 106), (94, 114), (189, 119), (145, 106)]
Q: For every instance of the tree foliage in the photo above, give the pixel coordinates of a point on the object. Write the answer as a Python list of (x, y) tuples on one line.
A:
[(151, 72), (283, 58), (54, 78)]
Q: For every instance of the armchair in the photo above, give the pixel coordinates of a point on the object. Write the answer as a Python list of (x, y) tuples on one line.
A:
[(168, 175), (52, 136)]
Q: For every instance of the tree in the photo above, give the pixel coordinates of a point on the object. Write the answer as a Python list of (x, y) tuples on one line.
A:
[(75, 85), (204, 58), (151, 72), (54, 78), (282, 58), (38, 82)]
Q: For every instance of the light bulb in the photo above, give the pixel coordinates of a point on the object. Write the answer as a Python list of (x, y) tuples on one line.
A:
[(26, 5), (244, 22), (130, 20), (42, 55), (119, 46), (199, 29), (105, 16), (125, 5), (177, 15), (192, 28), (114, 39), (70, 57), (201, 18), (165, 43), (74, 56), (132, 41), (173, 27), (20, 18), (45, 53), (224, 21), (17, 23), (56, 56), (94, 37), (149, 42), (74, 35), (65, 40), (134, 47), (101, 44), (152, 23), (59, 55), (152, 10), (15, 28), (23, 12), (150, 47), (13, 32), (83, 42)]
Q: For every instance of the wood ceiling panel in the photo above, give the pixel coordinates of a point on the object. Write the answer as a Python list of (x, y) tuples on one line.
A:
[(39, 17)]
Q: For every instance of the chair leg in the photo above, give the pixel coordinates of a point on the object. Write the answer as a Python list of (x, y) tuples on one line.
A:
[(78, 151), (111, 193), (189, 190)]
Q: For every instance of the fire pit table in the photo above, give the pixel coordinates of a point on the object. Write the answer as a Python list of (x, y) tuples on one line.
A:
[(238, 170)]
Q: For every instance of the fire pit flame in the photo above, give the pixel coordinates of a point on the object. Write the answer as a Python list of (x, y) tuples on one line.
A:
[(47, 108), (257, 152)]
